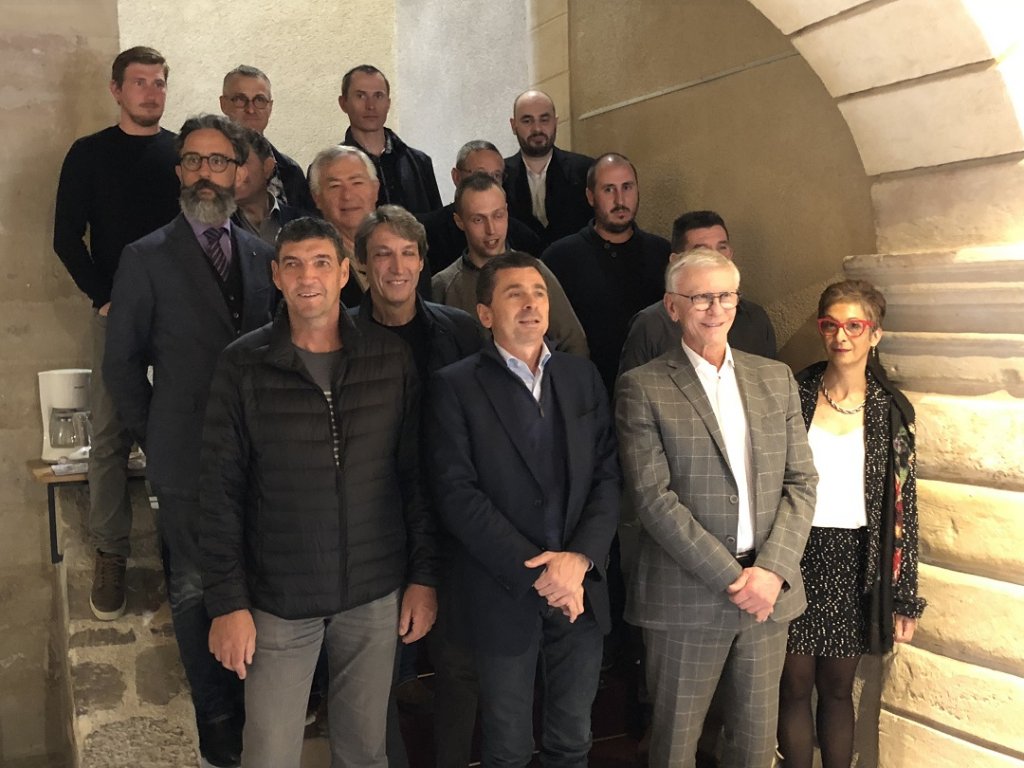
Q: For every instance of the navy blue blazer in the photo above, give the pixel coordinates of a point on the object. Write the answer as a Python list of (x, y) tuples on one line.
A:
[(488, 496), (166, 310)]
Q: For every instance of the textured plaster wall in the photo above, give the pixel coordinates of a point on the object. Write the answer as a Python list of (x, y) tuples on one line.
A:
[(745, 129), (460, 65), (54, 67), (304, 46)]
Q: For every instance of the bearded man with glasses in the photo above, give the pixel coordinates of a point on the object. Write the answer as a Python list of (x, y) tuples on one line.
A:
[(717, 468), (247, 99), (182, 294)]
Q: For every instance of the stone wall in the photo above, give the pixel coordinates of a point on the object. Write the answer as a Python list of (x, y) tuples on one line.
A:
[(930, 92), (54, 68), (745, 129), (304, 46)]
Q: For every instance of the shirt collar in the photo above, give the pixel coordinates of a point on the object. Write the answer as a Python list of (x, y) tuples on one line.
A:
[(705, 368), (515, 363), (198, 228)]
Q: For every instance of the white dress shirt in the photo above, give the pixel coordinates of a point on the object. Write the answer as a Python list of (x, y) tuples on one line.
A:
[(723, 392), (538, 191), (532, 380)]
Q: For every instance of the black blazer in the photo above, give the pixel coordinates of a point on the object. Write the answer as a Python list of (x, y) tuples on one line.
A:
[(487, 493), (166, 310), (565, 198), (293, 180)]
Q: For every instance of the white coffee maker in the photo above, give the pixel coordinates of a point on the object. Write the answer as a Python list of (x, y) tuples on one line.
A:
[(64, 404)]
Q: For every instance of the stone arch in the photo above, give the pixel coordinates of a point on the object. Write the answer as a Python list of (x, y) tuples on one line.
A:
[(933, 95)]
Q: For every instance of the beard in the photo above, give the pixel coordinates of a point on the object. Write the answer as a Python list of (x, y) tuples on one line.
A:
[(536, 150), (216, 210), (615, 227)]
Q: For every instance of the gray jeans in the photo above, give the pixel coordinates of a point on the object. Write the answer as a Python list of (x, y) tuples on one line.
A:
[(110, 512), (361, 655)]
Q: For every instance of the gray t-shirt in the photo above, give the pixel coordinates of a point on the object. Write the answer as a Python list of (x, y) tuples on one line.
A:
[(320, 366)]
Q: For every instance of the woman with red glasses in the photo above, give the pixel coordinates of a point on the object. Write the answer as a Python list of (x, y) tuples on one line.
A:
[(860, 564)]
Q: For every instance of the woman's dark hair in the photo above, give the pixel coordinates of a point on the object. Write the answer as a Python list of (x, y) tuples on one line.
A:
[(854, 292)]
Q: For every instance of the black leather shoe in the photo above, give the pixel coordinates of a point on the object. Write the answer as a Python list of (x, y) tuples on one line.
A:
[(220, 743)]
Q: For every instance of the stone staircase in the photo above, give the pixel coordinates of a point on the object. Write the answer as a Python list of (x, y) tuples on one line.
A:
[(127, 695)]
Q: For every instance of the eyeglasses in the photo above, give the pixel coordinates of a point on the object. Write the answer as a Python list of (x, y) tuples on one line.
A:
[(193, 161), (703, 301), (854, 327), (259, 102)]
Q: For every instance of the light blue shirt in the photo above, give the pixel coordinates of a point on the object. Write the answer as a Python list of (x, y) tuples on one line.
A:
[(522, 370)]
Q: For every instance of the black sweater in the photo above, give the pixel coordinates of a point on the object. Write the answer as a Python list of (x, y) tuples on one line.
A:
[(118, 187), (607, 283)]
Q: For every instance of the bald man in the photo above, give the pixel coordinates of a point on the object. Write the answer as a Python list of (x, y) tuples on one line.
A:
[(546, 186)]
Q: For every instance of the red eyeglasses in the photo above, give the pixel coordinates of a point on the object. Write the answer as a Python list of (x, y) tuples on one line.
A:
[(854, 327)]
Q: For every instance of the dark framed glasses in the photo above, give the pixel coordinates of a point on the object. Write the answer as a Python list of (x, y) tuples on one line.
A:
[(703, 301), (854, 327), (193, 161), (259, 102)]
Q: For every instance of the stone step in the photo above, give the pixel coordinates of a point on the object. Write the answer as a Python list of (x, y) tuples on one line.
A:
[(971, 618), (955, 363), (981, 264), (903, 742), (970, 290), (972, 529), (968, 701), (129, 699), (972, 440)]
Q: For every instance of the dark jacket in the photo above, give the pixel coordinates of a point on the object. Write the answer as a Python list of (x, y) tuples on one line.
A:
[(652, 333), (607, 284), (293, 182), (565, 199), (454, 334), (406, 175), (167, 310), (890, 488), (446, 242), (285, 527), (486, 487)]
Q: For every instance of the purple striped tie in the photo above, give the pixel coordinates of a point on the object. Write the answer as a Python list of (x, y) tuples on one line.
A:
[(215, 252)]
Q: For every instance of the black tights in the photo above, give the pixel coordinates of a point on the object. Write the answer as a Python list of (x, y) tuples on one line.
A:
[(834, 680)]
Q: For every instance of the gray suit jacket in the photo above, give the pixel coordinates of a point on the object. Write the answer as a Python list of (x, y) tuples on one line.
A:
[(678, 480)]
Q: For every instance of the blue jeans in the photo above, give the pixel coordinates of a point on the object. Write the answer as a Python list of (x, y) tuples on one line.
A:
[(216, 691), (570, 666)]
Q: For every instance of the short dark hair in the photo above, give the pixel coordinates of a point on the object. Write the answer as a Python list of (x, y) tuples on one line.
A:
[(308, 228), (467, 149), (244, 70), (489, 273), (366, 69), (475, 182), (231, 130), (613, 158), (140, 54), (854, 292), (694, 220), (257, 143), (403, 223)]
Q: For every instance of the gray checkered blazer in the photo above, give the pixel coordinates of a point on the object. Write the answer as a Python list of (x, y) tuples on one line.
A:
[(679, 482)]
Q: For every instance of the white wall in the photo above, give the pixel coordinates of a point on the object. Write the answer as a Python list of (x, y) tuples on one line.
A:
[(304, 46), (460, 65)]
